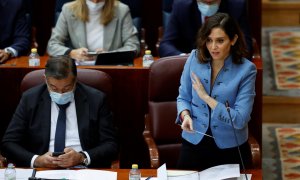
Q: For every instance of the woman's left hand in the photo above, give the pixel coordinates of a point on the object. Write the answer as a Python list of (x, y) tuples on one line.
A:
[(197, 85)]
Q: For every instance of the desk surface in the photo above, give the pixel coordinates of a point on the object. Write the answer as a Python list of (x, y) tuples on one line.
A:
[(123, 173), (22, 62)]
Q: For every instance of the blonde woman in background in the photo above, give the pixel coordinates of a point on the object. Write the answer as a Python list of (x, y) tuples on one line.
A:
[(93, 25)]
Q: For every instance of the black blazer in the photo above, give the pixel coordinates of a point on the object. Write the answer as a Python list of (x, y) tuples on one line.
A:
[(14, 26), (29, 130), (185, 20)]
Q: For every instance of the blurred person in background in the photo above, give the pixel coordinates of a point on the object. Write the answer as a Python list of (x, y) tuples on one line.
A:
[(93, 25), (14, 29), (187, 17)]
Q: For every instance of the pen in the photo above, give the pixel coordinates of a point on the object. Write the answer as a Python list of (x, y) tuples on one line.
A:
[(148, 177), (201, 133)]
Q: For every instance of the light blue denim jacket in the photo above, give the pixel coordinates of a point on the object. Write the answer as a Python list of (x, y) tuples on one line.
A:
[(235, 83)]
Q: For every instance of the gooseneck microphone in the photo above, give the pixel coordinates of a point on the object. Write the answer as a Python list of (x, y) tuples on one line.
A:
[(236, 140)]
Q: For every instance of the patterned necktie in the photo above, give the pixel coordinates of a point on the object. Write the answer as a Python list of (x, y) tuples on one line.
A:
[(60, 132)]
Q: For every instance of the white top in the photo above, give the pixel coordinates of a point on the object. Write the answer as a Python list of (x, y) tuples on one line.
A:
[(94, 29)]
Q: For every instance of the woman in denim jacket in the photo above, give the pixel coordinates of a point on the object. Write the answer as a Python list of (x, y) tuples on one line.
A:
[(215, 73)]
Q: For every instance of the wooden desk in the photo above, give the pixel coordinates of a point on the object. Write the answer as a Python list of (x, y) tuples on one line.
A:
[(130, 93)]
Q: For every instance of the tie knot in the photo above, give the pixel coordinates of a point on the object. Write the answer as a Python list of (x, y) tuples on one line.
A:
[(63, 106)]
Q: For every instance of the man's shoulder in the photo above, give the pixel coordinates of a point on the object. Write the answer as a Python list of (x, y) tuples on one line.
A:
[(34, 94), (36, 90), (183, 2), (236, 6), (183, 8), (88, 90)]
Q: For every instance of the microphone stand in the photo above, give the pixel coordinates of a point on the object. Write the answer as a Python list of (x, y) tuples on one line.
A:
[(236, 140)]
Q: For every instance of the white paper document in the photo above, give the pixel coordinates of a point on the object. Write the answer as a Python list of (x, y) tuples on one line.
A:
[(85, 63), (221, 172), (82, 174), (21, 174), (226, 171)]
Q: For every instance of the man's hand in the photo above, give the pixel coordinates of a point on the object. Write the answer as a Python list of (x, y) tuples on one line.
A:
[(69, 159), (4, 56), (45, 161)]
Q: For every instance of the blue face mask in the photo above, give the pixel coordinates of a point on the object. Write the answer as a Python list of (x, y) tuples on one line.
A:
[(208, 10), (63, 98)]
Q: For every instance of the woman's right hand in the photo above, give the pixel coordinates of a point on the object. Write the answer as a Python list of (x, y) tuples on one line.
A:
[(187, 123), (81, 54)]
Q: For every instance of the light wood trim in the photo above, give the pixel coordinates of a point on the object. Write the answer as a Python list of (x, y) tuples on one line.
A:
[(268, 4), (281, 100)]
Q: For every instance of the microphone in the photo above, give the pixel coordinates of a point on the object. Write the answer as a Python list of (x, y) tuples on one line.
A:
[(236, 140)]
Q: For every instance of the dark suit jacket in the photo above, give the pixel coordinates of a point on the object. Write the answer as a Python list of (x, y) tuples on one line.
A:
[(135, 7), (185, 20), (29, 130), (14, 26)]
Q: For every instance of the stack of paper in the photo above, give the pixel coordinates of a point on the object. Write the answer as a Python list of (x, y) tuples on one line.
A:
[(227, 171), (82, 174)]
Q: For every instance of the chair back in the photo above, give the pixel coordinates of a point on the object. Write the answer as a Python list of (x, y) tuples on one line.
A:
[(94, 78), (164, 81)]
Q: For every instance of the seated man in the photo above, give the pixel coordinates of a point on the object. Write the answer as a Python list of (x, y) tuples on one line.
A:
[(14, 29), (187, 17), (84, 131)]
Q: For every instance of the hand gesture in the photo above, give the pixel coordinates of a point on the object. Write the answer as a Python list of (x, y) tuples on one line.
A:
[(197, 85)]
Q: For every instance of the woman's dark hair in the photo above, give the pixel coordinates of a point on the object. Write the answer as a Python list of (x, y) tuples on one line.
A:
[(231, 28), (60, 67)]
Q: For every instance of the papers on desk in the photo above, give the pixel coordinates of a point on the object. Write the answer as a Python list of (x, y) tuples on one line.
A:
[(21, 173), (85, 63), (81, 174), (226, 171)]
